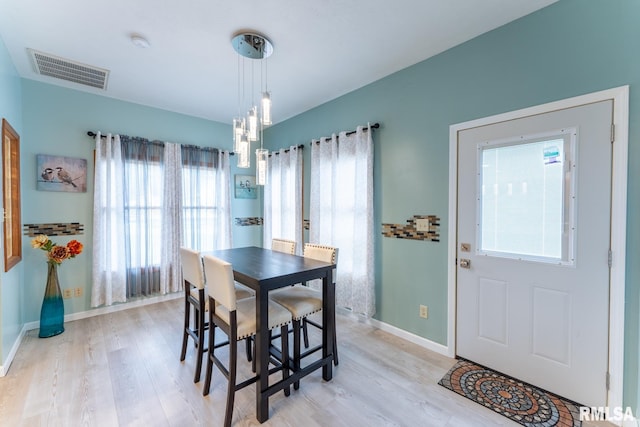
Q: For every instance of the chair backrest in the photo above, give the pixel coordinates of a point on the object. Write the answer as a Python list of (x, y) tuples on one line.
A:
[(282, 245), (220, 281), (192, 267), (321, 252)]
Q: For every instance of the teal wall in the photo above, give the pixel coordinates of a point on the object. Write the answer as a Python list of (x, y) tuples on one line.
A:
[(570, 48), (56, 121), (11, 313)]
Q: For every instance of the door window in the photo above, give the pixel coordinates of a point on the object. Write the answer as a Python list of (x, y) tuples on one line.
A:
[(526, 197)]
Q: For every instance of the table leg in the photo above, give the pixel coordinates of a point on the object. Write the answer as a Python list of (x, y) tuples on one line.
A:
[(328, 319), (262, 355)]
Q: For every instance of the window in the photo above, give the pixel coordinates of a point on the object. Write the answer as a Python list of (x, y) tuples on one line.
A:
[(525, 198), (146, 173), (143, 212), (143, 187), (205, 199)]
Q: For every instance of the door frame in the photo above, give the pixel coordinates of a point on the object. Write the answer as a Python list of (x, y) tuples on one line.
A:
[(620, 98)]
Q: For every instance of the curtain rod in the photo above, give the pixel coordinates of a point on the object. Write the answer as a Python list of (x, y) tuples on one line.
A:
[(351, 132), (301, 146), (92, 134)]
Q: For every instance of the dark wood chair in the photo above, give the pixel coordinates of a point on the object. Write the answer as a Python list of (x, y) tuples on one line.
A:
[(302, 301), (237, 319), (194, 296)]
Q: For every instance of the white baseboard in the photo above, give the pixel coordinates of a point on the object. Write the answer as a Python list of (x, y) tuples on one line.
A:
[(4, 368), (400, 333)]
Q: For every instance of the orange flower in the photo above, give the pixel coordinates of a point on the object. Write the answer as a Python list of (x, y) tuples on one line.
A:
[(75, 248)]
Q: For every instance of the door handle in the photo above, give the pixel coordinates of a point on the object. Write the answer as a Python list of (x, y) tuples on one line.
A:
[(465, 263)]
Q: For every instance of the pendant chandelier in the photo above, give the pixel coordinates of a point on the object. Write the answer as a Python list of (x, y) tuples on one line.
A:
[(249, 124)]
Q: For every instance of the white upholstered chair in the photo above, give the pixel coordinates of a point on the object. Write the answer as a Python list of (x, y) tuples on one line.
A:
[(237, 319), (194, 296), (282, 245), (302, 301)]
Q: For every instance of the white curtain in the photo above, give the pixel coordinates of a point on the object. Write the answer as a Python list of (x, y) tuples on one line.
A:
[(170, 269), (283, 197), (341, 213), (109, 265), (206, 200), (223, 200)]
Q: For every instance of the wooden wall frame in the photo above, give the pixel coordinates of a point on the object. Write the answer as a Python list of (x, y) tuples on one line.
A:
[(11, 196)]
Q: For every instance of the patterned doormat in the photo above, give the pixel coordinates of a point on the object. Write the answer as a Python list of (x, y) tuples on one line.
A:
[(516, 400)]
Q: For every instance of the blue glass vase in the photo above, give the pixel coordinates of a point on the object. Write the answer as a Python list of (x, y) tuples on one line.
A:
[(52, 312)]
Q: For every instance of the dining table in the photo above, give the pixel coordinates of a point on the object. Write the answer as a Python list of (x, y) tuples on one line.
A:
[(264, 270)]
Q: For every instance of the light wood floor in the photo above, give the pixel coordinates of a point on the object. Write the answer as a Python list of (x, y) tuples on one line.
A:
[(123, 369)]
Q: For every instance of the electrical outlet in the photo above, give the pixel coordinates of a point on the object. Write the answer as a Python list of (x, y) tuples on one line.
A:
[(67, 293), (424, 311), (77, 292), (422, 224)]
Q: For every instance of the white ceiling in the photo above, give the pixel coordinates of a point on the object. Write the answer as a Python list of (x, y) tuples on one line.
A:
[(322, 48)]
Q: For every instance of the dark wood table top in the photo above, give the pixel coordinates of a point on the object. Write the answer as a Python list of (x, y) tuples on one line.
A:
[(264, 269)]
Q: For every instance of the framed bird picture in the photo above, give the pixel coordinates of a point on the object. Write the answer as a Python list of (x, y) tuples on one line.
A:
[(245, 187), (56, 173)]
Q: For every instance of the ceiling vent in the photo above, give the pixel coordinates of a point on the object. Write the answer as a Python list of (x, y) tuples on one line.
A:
[(71, 71)]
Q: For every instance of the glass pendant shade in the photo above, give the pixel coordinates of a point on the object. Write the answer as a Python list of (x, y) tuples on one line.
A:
[(262, 157), (243, 152), (266, 109), (238, 130), (253, 124)]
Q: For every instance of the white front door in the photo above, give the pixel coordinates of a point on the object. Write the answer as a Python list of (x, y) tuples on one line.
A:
[(534, 203)]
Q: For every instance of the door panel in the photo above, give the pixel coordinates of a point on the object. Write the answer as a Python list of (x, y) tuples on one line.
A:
[(492, 310), (551, 325), (534, 198)]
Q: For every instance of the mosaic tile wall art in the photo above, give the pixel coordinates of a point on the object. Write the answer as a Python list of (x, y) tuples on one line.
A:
[(247, 221), (410, 230), (54, 229)]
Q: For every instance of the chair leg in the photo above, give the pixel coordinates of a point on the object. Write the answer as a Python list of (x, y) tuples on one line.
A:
[(296, 351), (196, 324), (231, 389), (305, 332), (284, 346), (335, 343), (335, 339), (200, 346), (248, 343), (253, 359), (210, 356), (185, 336)]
